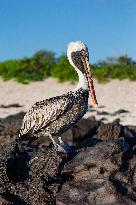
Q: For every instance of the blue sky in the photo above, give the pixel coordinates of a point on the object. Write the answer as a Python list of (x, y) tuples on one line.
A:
[(108, 27)]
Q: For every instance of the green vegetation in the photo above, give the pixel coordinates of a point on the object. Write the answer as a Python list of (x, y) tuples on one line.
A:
[(115, 68), (63, 70), (43, 64)]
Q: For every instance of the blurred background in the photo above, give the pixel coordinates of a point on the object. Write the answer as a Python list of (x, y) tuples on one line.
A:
[(33, 64)]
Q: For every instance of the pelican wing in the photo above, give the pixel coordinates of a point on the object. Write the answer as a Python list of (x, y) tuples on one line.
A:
[(44, 112)]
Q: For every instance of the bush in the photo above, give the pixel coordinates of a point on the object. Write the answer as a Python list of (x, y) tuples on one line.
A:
[(63, 70), (28, 69), (120, 68), (44, 64)]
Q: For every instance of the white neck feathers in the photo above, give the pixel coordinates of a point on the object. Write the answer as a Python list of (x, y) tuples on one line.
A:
[(82, 78)]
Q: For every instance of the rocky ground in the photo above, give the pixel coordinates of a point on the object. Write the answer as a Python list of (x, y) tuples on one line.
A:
[(100, 168)]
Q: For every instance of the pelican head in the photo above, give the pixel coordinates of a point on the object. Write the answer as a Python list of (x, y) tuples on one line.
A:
[(78, 57), (77, 53)]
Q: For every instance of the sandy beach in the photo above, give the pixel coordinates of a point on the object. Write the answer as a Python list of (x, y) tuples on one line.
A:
[(112, 96)]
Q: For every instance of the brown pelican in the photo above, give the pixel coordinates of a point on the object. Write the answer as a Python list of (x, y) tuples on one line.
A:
[(52, 117)]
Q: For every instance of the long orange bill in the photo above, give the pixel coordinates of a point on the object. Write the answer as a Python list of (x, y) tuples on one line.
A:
[(90, 81)]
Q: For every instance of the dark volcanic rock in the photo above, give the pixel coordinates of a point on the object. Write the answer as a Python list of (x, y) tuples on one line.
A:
[(9, 128), (98, 175), (118, 112), (109, 131), (102, 113), (25, 180), (121, 111), (11, 105), (84, 129), (101, 172)]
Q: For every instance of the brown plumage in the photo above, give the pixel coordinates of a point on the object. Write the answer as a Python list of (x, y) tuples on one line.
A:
[(43, 113)]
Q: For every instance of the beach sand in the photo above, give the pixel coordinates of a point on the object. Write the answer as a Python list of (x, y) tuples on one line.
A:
[(111, 96)]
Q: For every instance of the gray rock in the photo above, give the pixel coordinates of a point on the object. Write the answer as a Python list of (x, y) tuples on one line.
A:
[(28, 180), (97, 176), (102, 171)]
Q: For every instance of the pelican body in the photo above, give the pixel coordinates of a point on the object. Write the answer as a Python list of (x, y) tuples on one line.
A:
[(53, 116)]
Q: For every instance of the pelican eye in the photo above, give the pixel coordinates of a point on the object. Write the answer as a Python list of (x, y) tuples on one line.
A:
[(83, 50), (84, 53)]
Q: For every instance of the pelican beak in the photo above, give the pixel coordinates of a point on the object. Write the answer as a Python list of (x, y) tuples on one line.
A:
[(90, 81)]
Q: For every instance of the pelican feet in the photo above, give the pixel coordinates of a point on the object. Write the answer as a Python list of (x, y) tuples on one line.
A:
[(66, 149), (60, 148)]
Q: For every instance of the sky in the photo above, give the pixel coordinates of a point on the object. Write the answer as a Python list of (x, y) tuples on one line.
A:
[(108, 27)]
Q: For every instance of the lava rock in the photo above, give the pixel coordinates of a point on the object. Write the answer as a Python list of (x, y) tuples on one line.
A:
[(109, 131), (10, 106), (97, 176), (28, 180), (9, 128), (101, 171)]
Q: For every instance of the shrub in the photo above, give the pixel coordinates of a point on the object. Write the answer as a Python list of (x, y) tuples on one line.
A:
[(44, 64)]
